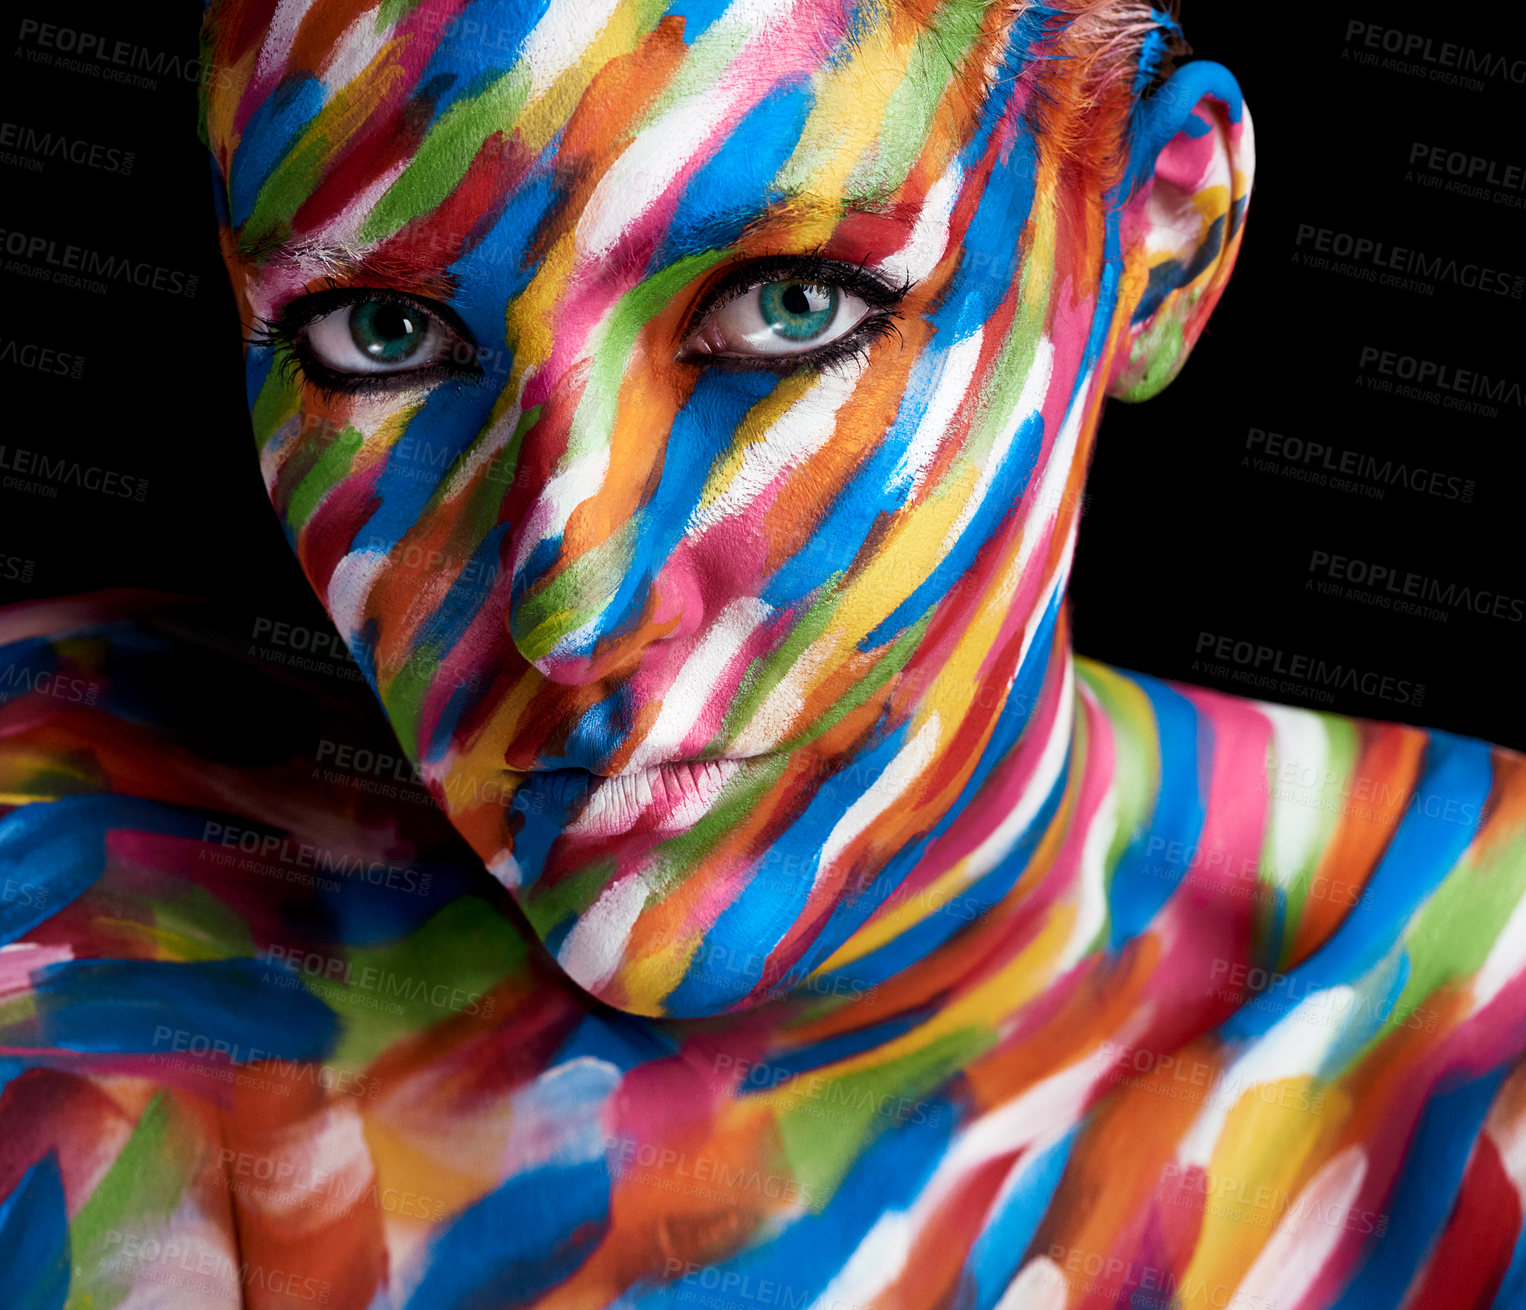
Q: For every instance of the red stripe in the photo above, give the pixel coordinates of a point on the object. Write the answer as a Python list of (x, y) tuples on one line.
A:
[(1476, 1246)]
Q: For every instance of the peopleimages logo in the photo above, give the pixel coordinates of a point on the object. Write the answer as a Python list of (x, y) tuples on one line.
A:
[(89, 269), (1393, 585), (1443, 55), (1319, 459), (57, 145), (1263, 665), (40, 359), (100, 56), (1465, 167), (37, 473), (1382, 262), (1444, 377)]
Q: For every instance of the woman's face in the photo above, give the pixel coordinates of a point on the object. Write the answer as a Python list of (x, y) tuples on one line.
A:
[(680, 412)]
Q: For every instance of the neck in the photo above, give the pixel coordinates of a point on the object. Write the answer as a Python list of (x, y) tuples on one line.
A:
[(998, 880), (1108, 861)]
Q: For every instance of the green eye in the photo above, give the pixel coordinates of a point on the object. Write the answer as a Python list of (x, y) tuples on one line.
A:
[(797, 311), (386, 331), (381, 335)]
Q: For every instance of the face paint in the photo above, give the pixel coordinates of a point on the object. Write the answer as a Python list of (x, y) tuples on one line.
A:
[(1245, 1028), (681, 414)]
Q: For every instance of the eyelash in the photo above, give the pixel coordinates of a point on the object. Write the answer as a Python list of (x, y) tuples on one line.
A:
[(283, 333), (874, 327)]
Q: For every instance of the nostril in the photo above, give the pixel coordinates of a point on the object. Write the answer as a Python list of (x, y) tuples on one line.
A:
[(580, 624)]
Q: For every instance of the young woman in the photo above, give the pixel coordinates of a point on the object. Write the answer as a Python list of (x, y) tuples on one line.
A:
[(681, 411)]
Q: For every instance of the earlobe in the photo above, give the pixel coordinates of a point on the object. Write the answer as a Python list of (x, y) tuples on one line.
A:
[(1189, 179)]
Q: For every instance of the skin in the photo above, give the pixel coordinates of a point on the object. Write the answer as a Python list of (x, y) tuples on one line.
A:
[(938, 966), (808, 610)]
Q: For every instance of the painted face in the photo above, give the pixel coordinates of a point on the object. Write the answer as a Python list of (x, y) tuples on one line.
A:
[(681, 412)]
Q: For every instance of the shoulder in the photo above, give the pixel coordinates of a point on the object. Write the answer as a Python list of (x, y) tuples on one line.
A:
[(1370, 854), (1340, 903), (149, 733), (201, 907), (1337, 763)]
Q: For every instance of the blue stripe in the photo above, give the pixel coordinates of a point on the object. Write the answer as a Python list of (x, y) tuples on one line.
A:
[(518, 1242), (701, 432), (1000, 1250), (272, 130), (51, 852), (218, 1007), (34, 1241), (1426, 1191), (1156, 861), (790, 1271)]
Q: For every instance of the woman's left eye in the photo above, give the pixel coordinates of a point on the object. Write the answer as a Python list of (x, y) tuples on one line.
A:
[(777, 320)]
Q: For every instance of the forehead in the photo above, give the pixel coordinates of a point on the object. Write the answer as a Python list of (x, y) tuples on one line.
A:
[(415, 131)]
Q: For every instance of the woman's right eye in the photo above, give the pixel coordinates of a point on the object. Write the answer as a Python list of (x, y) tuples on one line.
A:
[(350, 338)]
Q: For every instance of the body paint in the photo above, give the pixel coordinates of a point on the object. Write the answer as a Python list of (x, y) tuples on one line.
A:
[(893, 956), (1241, 1026), (691, 622)]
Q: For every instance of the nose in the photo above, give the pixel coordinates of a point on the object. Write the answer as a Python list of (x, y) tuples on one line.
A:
[(621, 551), (585, 610), (600, 570)]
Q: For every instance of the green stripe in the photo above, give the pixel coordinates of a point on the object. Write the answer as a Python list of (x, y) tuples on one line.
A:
[(448, 151), (279, 399), (331, 466), (135, 1198), (404, 696), (832, 1126)]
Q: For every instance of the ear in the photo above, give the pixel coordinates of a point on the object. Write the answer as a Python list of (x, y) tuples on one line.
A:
[(1190, 169)]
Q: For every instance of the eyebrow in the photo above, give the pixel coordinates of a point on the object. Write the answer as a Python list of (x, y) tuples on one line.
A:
[(694, 230), (697, 229)]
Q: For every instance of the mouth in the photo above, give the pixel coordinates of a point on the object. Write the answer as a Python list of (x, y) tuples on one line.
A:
[(661, 799)]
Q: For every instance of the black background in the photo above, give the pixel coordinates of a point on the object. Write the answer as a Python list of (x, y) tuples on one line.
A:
[(1182, 542)]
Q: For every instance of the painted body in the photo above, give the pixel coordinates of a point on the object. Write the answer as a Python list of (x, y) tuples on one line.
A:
[(681, 411), (273, 1038)]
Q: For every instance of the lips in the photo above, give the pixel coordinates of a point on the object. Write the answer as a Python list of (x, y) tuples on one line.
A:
[(664, 798)]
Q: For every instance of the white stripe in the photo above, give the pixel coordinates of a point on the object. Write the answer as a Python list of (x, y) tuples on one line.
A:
[(876, 1263), (342, 233), (1035, 388), (1299, 738), (782, 707), (1510, 1140), (1296, 1045), (356, 47), (1033, 1121), (1295, 1256), (496, 438), (665, 146), (917, 259), (881, 794), (1505, 958), (1046, 774), (796, 435), (956, 369), (1040, 1286), (596, 945), (560, 38), (350, 587), (691, 691), (1091, 895), (279, 36), (577, 480), (646, 170)]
